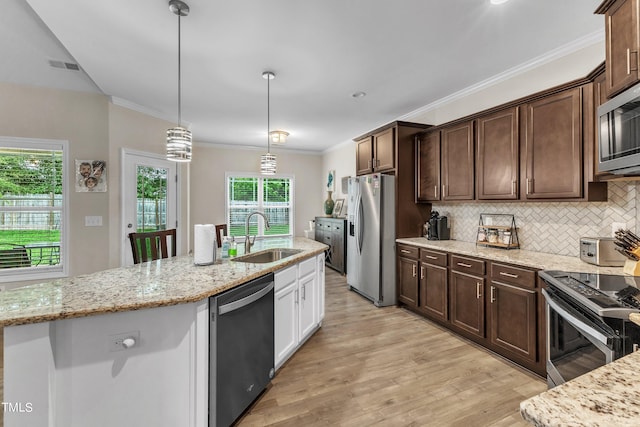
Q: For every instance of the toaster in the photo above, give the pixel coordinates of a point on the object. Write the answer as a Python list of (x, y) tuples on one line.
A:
[(600, 251)]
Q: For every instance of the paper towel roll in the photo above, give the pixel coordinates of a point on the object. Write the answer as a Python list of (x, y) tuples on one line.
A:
[(204, 244)]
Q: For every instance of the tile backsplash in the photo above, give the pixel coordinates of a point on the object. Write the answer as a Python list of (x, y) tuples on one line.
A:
[(553, 227)]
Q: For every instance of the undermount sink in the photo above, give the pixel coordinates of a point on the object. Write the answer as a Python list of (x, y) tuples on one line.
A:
[(269, 255)]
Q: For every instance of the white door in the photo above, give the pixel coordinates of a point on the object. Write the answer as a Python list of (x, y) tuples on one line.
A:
[(149, 196)]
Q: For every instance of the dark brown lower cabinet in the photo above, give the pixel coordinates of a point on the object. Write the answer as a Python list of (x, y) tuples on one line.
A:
[(467, 303), (497, 305), (513, 320), (434, 291)]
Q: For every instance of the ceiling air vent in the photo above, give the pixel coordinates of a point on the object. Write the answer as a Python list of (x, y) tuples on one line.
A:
[(64, 65)]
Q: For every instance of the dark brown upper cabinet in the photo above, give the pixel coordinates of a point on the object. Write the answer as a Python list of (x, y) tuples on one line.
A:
[(552, 147), (457, 162), (497, 155), (364, 156), (428, 167), (376, 153), (622, 42)]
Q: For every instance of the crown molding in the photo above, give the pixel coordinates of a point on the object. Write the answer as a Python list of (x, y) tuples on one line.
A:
[(125, 103)]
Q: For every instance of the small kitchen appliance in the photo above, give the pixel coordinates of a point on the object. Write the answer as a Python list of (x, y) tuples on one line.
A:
[(438, 227), (601, 251)]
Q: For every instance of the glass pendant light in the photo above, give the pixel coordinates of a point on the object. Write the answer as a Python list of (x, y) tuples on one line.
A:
[(179, 138), (268, 161)]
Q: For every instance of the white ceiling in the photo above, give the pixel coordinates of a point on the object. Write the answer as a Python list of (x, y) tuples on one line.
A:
[(404, 54)]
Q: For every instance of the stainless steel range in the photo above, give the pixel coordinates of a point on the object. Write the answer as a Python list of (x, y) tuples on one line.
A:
[(587, 321)]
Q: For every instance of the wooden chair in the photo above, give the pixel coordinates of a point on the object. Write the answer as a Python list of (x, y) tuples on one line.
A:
[(152, 245), (12, 256), (221, 230)]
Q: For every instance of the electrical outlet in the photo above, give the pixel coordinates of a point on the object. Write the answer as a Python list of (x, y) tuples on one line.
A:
[(617, 226), (116, 342)]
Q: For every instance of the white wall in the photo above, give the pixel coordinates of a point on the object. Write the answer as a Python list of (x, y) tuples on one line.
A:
[(210, 163), (342, 159)]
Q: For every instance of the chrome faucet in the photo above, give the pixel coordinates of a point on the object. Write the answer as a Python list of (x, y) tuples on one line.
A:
[(247, 239)]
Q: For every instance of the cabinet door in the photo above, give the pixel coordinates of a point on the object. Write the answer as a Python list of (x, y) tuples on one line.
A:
[(384, 153), (321, 286), (308, 302), (513, 320), (498, 156), (408, 281), (553, 146), (457, 162), (428, 167), (364, 156), (286, 323), (467, 303), (622, 32), (433, 290), (337, 242)]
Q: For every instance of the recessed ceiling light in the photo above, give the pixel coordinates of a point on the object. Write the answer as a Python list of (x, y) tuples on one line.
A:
[(498, 1), (358, 94)]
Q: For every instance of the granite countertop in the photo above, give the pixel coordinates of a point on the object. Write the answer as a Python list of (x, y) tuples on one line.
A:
[(152, 284), (537, 260), (607, 396)]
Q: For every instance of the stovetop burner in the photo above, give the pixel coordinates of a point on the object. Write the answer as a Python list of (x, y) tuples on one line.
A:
[(606, 294)]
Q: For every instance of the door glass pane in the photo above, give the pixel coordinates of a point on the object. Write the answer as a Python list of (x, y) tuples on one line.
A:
[(151, 207)]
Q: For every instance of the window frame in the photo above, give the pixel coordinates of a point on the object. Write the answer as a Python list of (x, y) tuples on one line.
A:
[(61, 269), (261, 207)]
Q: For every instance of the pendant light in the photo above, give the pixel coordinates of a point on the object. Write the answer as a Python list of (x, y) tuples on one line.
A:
[(179, 138), (268, 161)]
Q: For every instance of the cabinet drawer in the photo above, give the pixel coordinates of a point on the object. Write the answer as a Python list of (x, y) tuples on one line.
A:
[(513, 275), (284, 278), (337, 227), (432, 257), (408, 251), (467, 265), (306, 267)]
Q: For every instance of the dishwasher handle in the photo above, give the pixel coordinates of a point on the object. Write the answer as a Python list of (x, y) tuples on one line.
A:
[(235, 305)]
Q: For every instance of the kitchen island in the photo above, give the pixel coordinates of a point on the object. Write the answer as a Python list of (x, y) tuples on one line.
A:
[(607, 396), (64, 365)]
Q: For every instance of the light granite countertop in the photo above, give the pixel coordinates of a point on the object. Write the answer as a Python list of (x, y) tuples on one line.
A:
[(607, 396), (537, 260), (152, 284)]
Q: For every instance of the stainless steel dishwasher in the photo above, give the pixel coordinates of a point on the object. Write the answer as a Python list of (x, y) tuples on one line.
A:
[(241, 348)]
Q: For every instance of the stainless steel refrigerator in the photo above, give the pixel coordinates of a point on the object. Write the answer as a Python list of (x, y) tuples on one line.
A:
[(371, 261)]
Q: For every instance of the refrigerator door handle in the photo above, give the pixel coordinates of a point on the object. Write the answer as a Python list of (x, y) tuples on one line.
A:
[(359, 222)]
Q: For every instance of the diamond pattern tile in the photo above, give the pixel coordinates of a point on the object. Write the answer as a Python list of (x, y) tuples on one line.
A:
[(554, 227)]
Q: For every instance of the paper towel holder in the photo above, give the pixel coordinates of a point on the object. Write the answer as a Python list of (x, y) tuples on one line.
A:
[(212, 243)]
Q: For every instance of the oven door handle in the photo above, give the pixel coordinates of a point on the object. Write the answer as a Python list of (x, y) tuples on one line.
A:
[(579, 324)]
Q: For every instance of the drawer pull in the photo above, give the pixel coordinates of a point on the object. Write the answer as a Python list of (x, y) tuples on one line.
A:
[(462, 264), (478, 288), (404, 251), (513, 276), (431, 257)]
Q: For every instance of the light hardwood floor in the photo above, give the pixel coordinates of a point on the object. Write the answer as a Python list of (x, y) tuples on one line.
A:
[(389, 367)]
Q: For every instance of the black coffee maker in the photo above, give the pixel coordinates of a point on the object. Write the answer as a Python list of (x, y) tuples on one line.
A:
[(438, 227)]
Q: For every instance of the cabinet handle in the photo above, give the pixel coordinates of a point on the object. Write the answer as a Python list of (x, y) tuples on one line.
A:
[(404, 251), (444, 190), (304, 292), (414, 270), (628, 61), (513, 276), (513, 187), (493, 294), (421, 272), (478, 290), (528, 186), (431, 257), (632, 64), (296, 296), (435, 191), (462, 264)]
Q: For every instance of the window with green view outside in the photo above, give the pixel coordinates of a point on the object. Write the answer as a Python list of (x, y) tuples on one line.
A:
[(272, 196), (31, 206)]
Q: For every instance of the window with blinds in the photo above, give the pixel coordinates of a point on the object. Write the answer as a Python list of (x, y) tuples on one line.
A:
[(32, 208), (249, 193)]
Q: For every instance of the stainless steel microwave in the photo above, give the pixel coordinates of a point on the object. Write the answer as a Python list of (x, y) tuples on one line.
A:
[(619, 133)]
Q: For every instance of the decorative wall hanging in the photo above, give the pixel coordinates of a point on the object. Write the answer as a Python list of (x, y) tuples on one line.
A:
[(91, 176)]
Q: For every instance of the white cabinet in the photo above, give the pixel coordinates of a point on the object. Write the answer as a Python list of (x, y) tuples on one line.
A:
[(299, 302)]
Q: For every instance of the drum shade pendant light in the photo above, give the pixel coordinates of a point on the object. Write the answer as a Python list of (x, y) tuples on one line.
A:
[(179, 138), (268, 161)]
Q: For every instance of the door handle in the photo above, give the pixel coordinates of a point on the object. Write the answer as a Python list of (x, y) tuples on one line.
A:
[(513, 187), (478, 290), (421, 272), (304, 292), (493, 294), (414, 270)]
